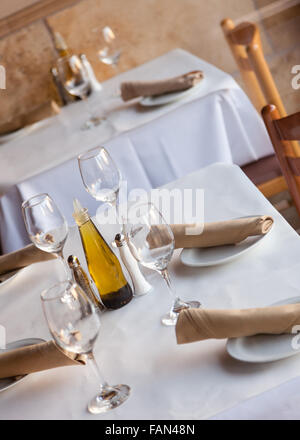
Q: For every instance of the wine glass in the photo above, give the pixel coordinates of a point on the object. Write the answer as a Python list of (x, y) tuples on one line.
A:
[(74, 325), (110, 53), (151, 242), (75, 79), (100, 176), (46, 226)]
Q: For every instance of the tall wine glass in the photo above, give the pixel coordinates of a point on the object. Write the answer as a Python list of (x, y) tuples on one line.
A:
[(151, 242), (110, 52), (46, 226), (100, 176), (74, 325), (76, 81)]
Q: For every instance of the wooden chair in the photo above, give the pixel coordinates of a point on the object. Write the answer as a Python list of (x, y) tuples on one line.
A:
[(245, 44), (282, 131)]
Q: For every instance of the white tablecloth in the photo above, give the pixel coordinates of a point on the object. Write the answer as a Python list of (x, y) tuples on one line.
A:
[(192, 381), (216, 124)]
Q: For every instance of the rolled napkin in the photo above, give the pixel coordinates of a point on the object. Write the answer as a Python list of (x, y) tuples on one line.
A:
[(220, 233), (199, 324), (49, 108), (134, 89), (22, 258), (38, 357)]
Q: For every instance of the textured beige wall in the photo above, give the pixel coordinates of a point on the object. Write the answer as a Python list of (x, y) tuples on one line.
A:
[(146, 29), (8, 7)]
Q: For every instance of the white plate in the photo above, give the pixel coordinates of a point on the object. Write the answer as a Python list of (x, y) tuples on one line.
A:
[(11, 381), (203, 257), (151, 101), (264, 348)]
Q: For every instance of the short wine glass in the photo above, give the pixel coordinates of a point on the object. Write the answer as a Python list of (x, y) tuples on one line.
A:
[(75, 79), (100, 176), (46, 226), (74, 324), (151, 242)]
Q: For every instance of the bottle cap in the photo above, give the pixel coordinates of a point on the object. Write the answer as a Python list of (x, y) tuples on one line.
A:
[(73, 261), (80, 214)]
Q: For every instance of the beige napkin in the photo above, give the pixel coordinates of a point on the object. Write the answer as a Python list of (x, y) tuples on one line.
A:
[(220, 233), (199, 324), (134, 89), (35, 358), (43, 111), (22, 258)]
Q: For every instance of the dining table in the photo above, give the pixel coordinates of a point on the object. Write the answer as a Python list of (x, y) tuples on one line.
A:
[(168, 381), (151, 145)]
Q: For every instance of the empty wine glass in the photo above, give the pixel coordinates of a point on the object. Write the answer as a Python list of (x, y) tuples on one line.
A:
[(110, 52), (46, 226), (75, 78), (151, 242), (100, 176), (74, 325)]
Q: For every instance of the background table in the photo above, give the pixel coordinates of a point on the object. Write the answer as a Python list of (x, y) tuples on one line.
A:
[(191, 381), (151, 146)]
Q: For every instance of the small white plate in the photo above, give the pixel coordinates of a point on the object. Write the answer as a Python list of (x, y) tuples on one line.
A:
[(167, 98), (203, 257), (264, 348), (11, 381)]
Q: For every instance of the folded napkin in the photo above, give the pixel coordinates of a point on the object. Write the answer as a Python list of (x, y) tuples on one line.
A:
[(134, 89), (43, 111), (199, 324), (22, 258), (38, 357), (220, 233)]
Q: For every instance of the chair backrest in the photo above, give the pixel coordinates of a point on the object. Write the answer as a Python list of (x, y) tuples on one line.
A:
[(282, 131), (245, 43)]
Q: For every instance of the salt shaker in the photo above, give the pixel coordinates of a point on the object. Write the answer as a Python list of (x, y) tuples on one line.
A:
[(140, 284)]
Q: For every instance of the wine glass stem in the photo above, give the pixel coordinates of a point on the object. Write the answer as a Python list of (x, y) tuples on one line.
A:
[(166, 277), (97, 371), (88, 107), (60, 256)]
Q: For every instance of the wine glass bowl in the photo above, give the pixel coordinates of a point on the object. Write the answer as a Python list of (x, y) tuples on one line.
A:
[(46, 226), (110, 53), (100, 175), (75, 324)]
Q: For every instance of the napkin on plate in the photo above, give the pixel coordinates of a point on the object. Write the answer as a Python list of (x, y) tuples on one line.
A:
[(199, 324), (134, 89), (22, 258), (43, 111), (220, 233), (38, 357)]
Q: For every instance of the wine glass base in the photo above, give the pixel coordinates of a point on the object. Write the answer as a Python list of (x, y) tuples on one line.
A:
[(170, 319), (93, 122), (109, 399)]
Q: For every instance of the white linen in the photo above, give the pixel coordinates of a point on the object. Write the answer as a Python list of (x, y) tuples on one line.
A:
[(218, 127), (61, 139), (192, 381)]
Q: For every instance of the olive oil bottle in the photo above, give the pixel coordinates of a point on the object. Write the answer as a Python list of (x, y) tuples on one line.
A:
[(103, 265)]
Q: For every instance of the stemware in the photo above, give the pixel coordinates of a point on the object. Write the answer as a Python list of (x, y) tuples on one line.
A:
[(151, 242), (75, 79), (74, 324), (110, 53), (46, 226), (100, 176)]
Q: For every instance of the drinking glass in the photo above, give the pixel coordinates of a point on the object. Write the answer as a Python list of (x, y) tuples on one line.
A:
[(151, 242), (46, 226), (110, 52), (74, 325), (75, 79), (100, 176)]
